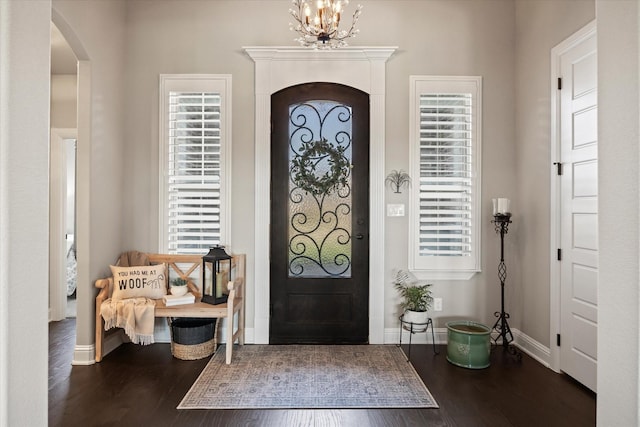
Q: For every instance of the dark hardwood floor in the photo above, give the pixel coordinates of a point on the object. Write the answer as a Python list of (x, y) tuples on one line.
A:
[(141, 386)]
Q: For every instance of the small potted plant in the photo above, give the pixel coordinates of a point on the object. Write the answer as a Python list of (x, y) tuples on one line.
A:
[(416, 298), (178, 286)]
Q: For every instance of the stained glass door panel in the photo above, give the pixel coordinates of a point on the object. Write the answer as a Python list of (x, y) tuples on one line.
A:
[(320, 189)]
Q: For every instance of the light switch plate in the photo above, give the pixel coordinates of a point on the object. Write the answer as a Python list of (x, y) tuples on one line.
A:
[(395, 210)]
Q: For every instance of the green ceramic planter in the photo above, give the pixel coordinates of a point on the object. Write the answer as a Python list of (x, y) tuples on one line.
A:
[(468, 344)]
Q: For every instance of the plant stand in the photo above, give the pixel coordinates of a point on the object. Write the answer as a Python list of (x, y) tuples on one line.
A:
[(414, 328), (502, 326)]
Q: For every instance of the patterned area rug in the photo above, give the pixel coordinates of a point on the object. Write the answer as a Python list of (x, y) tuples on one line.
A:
[(309, 376)]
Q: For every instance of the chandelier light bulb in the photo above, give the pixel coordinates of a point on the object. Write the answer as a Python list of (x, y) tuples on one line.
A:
[(319, 28)]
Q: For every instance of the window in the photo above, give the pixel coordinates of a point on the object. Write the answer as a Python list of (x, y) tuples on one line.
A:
[(445, 147), (195, 162)]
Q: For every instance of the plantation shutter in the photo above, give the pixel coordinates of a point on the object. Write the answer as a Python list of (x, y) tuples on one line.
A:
[(194, 172), (445, 206)]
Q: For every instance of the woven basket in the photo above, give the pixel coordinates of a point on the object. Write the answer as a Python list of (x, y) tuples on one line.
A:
[(193, 339), (193, 351)]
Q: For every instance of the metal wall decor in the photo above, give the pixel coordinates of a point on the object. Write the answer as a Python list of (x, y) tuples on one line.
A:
[(398, 179), (320, 189)]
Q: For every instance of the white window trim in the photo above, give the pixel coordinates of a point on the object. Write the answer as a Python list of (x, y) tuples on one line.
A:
[(220, 83), (437, 268)]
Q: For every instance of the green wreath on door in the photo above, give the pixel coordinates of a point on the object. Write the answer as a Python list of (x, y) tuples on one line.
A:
[(304, 167)]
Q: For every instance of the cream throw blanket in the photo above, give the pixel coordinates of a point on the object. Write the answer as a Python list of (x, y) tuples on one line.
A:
[(135, 315)]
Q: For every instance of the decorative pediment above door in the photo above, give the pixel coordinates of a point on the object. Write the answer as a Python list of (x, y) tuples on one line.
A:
[(363, 68)]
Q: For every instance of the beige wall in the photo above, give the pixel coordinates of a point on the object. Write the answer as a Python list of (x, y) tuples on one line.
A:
[(96, 32), (452, 38), (24, 74), (508, 43), (63, 101), (541, 25), (205, 37), (24, 224), (619, 212)]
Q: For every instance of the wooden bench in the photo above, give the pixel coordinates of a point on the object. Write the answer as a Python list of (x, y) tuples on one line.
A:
[(188, 267)]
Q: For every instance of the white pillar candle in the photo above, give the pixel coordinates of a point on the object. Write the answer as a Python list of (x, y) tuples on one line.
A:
[(495, 206), (503, 206)]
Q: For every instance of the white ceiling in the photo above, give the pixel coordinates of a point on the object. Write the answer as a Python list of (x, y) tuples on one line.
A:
[(63, 61)]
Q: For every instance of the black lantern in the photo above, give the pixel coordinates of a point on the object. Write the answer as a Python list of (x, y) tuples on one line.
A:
[(216, 274)]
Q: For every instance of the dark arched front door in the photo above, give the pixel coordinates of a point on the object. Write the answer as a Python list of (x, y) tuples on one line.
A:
[(319, 260)]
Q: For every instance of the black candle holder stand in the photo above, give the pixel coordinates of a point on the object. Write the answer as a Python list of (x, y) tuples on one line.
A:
[(504, 336)]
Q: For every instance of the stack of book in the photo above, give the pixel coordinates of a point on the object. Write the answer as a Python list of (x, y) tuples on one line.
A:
[(170, 300)]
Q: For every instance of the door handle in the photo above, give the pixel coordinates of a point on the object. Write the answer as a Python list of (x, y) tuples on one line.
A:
[(359, 236)]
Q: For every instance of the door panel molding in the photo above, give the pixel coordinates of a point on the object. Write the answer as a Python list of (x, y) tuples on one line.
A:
[(279, 67)]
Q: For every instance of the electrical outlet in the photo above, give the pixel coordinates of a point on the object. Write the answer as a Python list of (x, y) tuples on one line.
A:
[(437, 304), (395, 210)]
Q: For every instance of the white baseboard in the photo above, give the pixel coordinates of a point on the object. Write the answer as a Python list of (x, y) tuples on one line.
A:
[(249, 336), (163, 334), (111, 342), (392, 336), (84, 355), (528, 345), (249, 333), (533, 348)]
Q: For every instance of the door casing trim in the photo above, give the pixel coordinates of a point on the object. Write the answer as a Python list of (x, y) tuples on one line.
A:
[(363, 68)]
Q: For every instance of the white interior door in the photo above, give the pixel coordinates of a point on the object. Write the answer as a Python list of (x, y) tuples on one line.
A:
[(579, 212), (61, 217)]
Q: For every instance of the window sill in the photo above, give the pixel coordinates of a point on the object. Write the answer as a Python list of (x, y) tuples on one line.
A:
[(443, 275)]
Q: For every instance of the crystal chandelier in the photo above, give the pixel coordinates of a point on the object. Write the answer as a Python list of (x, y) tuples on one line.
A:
[(320, 29)]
